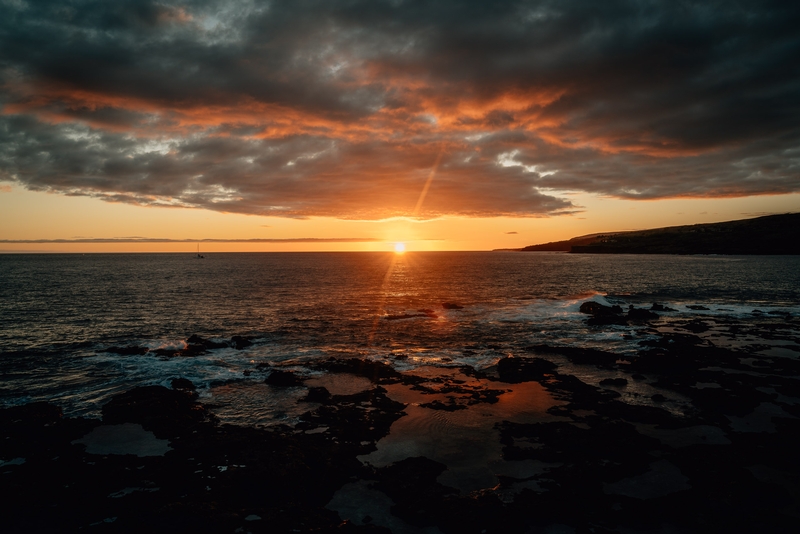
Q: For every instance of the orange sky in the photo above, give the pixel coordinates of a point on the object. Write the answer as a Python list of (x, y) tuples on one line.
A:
[(27, 215)]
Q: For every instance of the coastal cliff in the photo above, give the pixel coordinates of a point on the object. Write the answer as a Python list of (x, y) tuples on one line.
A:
[(773, 234)]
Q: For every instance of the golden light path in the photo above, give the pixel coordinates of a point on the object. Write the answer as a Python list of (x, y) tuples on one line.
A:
[(400, 248)]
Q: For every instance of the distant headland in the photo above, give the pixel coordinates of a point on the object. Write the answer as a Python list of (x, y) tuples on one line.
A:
[(773, 234)]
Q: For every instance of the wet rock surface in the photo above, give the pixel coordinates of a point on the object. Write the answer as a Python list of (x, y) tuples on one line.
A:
[(283, 379), (215, 478), (515, 370), (602, 315), (696, 432), (193, 346)]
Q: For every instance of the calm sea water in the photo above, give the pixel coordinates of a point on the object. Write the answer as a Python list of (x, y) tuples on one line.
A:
[(58, 313)]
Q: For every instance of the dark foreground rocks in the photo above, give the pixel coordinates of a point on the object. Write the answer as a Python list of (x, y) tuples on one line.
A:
[(212, 478), (602, 315), (687, 435)]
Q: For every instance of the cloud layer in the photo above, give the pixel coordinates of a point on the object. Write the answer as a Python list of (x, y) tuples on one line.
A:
[(168, 240), (343, 108)]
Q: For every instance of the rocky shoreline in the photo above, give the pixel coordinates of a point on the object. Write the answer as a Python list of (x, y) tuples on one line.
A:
[(604, 455)]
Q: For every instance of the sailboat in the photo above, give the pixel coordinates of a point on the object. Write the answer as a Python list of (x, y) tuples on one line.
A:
[(199, 256)]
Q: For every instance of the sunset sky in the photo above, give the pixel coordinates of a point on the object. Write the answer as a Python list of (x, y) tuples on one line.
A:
[(352, 125)]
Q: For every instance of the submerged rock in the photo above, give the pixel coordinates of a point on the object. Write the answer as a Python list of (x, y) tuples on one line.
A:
[(578, 354), (602, 315), (616, 382), (183, 384), (240, 342), (697, 326), (515, 369), (378, 372), (317, 394), (283, 379), (640, 314), (196, 343), (165, 411), (595, 308), (660, 307)]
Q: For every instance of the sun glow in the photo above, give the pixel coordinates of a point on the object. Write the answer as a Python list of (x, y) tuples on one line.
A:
[(399, 248)]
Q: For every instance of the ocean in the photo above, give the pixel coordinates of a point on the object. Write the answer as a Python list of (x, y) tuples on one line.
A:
[(77, 329)]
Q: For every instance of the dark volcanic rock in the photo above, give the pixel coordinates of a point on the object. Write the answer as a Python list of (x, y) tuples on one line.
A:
[(780, 312), (377, 372), (578, 354), (459, 395), (215, 478), (34, 414), (616, 382), (660, 307), (640, 314), (240, 342), (447, 407), (283, 379), (603, 315), (722, 428), (452, 306), (166, 412), (515, 370), (356, 421), (581, 394), (182, 383), (696, 307), (603, 440), (195, 346), (697, 326), (421, 500), (317, 394), (595, 308), (197, 343)]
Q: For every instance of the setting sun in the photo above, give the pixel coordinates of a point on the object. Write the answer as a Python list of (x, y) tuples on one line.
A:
[(399, 248)]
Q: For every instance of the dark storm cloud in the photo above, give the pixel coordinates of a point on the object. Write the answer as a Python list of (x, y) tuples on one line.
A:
[(342, 109)]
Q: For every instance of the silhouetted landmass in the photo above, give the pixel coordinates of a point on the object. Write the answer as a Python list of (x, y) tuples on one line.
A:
[(563, 246), (773, 234)]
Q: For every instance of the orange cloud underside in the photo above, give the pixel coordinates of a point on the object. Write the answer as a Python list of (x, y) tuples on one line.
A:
[(427, 111)]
